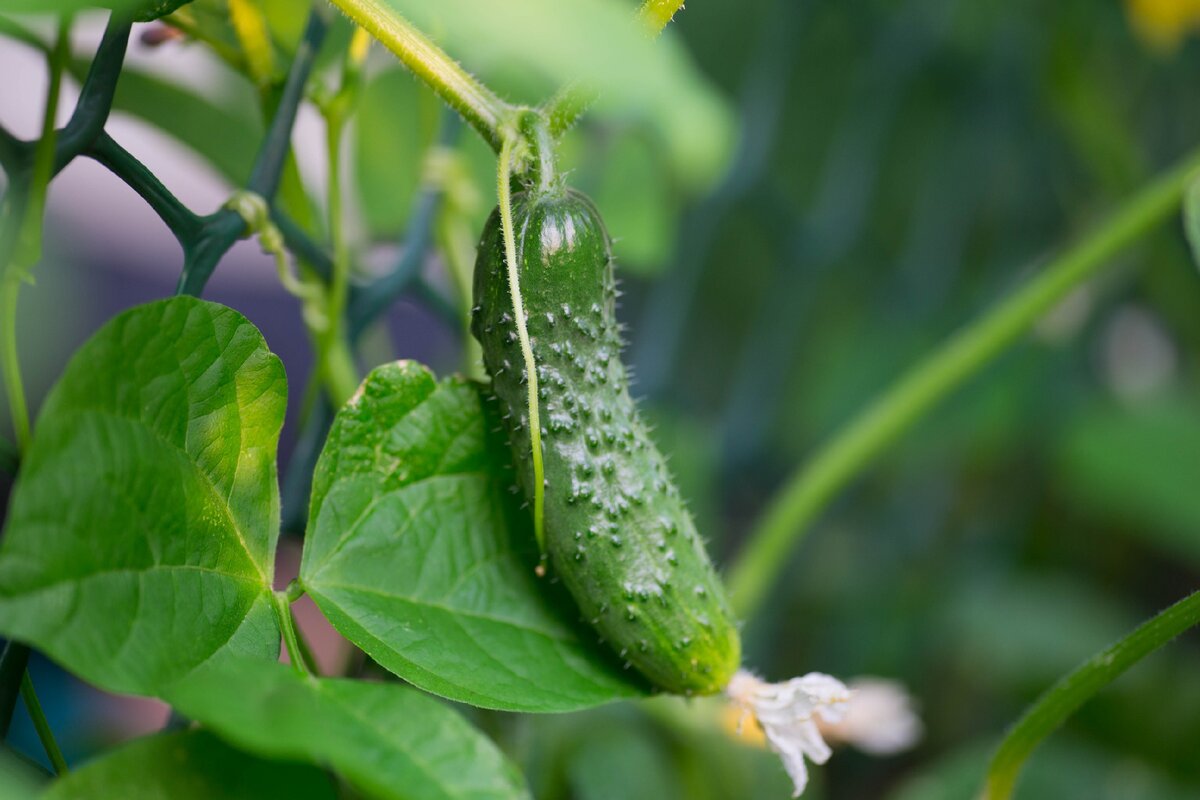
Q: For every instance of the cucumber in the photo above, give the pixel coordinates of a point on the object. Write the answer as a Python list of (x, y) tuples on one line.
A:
[(616, 529)]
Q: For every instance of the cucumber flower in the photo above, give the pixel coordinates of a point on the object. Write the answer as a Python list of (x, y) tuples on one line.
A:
[(788, 714)]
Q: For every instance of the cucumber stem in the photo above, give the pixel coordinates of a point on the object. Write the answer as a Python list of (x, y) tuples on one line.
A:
[(478, 105), (535, 128)]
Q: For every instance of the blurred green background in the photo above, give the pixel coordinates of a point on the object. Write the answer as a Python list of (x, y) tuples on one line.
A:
[(899, 167)]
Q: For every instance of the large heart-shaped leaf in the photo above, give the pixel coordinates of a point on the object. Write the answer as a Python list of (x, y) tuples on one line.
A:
[(189, 765), (389, 740), (418, 554), (142, 533)]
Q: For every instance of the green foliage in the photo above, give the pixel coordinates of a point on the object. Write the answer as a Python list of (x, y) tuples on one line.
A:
[(1141, 466), (1191, 220), (148, 10), (162, 432), (634, 194), (418, 554), (188, 765), (396, 126), (18, 780), (387, 740), (142, 10), (653, 80)]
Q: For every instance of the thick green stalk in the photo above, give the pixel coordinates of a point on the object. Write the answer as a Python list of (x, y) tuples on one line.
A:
[(479, 106), (1066, 696), (42, 725), (850, 451)]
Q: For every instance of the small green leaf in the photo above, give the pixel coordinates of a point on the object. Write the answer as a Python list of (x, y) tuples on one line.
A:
[(188, 765), (141, 538), (1191, 219), (389, 741), (419, 555)]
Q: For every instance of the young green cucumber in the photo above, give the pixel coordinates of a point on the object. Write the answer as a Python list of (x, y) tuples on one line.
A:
[(616, 529)]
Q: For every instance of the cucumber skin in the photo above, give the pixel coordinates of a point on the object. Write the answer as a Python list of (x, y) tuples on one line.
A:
[(616, 529)]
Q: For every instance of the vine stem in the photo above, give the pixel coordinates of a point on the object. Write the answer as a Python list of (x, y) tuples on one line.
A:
[(10, 290), (807, 492), (1066, 696), (283, 612), (25, 206), (479, 106), (504, 192), (337, 363), (42, 725)]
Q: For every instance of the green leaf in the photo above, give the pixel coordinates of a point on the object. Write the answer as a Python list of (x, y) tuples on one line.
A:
[(1142, 468), (600, 43), (419, 555), (388, 740), (396, 124), (1191, 219), (141, 538), (60, 6), (149, 10), (18, 777), (188, 765)]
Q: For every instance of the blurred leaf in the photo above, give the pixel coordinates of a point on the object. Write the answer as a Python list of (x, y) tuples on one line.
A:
[(141, 538), (1062, 768), (144, 10), (59, 6), (287, 19), (18, 780), (388, 740), (600, 43), (1030, 630), (397, 122), (712, 761), (224, 137), (1191, 219), (149, 10), (634, 195), (418, 554), (1142, 467), (622, 761), (188, 765)]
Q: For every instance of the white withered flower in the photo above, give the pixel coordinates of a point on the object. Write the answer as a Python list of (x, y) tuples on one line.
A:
[(788, 714), (879, 718)]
